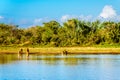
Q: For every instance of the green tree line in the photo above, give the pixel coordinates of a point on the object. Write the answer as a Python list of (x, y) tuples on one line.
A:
[(73, 32)]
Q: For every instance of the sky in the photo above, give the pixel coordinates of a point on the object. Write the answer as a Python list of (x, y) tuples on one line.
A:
[(26, 13)]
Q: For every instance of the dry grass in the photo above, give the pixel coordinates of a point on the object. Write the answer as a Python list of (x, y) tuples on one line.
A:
[(78, 50)]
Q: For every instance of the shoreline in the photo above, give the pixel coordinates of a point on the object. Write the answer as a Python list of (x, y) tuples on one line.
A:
[(59, 50)]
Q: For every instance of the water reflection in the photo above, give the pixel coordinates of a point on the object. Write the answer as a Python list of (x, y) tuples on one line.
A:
[(55, 59), (59, 67), (7, 58)]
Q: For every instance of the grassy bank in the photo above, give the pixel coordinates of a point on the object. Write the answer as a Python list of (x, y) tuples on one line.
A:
[(59, 50)]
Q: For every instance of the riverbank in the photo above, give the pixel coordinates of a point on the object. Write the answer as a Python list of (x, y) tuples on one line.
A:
[(59, 50)]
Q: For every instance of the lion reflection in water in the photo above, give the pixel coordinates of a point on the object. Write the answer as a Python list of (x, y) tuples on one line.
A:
[(20, 53)]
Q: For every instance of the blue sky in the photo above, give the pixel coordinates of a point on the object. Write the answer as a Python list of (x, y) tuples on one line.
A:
[(33, 12)]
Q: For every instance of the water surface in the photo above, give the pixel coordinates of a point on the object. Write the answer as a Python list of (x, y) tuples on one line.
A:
[(60, 67)]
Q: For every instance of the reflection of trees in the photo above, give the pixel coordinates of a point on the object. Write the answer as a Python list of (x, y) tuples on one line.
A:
[(7, 58), (70, 61), (78, 61), (50, 60), (66, 60), (54, 59)]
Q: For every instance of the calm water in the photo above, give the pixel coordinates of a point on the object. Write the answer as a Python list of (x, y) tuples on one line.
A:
[(58, 67)]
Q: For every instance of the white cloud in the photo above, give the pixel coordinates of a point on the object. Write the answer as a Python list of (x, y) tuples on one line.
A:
[(23, 21), (81, 17), (67, 17), (41, 20), (38, 20), (86, 18), (64, 18), (1, 17), (118, 18), (108, 12)]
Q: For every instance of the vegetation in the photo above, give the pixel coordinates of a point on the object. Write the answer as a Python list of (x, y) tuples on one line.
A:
[(70, 34)]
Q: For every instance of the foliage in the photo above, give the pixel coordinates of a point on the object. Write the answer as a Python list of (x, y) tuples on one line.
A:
[(72, 33)]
